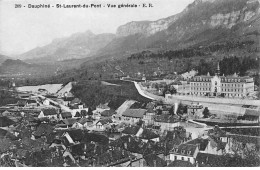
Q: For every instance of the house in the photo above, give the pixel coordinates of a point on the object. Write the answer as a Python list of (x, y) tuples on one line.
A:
[(180, 163), (6, 113), (102, 107), (147, 134), (32, 103), (184, 152), (149, 117), (73, 136), (153, 160), (133, 116), (86, 122), (217, 141), (241, 141), (67, 100), (66, 115), (205, 159), (130, 130), (6, 122), (77, 125), (166, 122), (113, 158), (22, 103), (69, 122), (49, 113), (103, 124), (107, 113), (43, 130)]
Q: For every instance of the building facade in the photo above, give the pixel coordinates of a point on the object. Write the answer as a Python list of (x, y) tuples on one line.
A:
[(225, 86)]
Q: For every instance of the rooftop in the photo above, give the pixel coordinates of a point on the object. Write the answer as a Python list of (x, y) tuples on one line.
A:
[(135, 113)]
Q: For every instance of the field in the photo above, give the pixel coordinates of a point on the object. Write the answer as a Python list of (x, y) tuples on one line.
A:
[(95, 92), (51, 88)]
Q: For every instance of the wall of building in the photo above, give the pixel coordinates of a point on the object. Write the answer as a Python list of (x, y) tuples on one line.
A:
[(181, 157), (173, 98)]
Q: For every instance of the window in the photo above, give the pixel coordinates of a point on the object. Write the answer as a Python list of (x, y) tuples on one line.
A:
[(175, 157), (189, 159), (182, 158)]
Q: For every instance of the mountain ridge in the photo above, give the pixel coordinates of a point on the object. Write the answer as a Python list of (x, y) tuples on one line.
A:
[(202, 22)]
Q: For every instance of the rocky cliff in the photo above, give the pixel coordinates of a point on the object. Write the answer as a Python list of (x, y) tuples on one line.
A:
[(201, 13)]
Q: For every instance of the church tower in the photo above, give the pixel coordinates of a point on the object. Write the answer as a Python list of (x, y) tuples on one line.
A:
[(218, 70)]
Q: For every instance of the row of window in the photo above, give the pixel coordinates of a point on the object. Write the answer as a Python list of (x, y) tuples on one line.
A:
[(230, 80), (223, 84), (201, 84), (232, 90), (232, 85), (226, 94), (200, 89)]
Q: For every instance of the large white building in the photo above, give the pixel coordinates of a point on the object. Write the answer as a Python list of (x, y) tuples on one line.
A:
[(230, 86)]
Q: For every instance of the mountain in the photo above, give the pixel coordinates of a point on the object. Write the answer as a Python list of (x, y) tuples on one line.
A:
[(3, 58), (201, 23), (205, 29), (21, 68), (76, 46)]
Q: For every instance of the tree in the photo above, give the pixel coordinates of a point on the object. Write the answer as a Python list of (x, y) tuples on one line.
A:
[(90, 113), (206, 112), (171, 111), (182, 109)]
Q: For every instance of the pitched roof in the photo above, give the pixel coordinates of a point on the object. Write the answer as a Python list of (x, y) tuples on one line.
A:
[(103, 106), (48, 112), (76, 134), (31, 101), (66, 114), (5, 145), (245, 139), (108, 113), (77, 114), (43, 129), (5, 121), (135, 113), (150, 105), (84, 120), (105, 121), (209, 159), (2, 133), (203, 143), (70, 121), (148, 134), (99, 138), (131, 130), (111, 157), (185, 149), (153, 160), (68, 98), (251, 112), (75, 101), (22, 102), (83, 113)]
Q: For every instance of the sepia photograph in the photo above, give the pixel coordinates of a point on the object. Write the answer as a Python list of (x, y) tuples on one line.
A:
[(129, 83)]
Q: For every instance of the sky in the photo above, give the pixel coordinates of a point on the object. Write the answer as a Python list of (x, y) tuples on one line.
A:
[(22, 29)]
